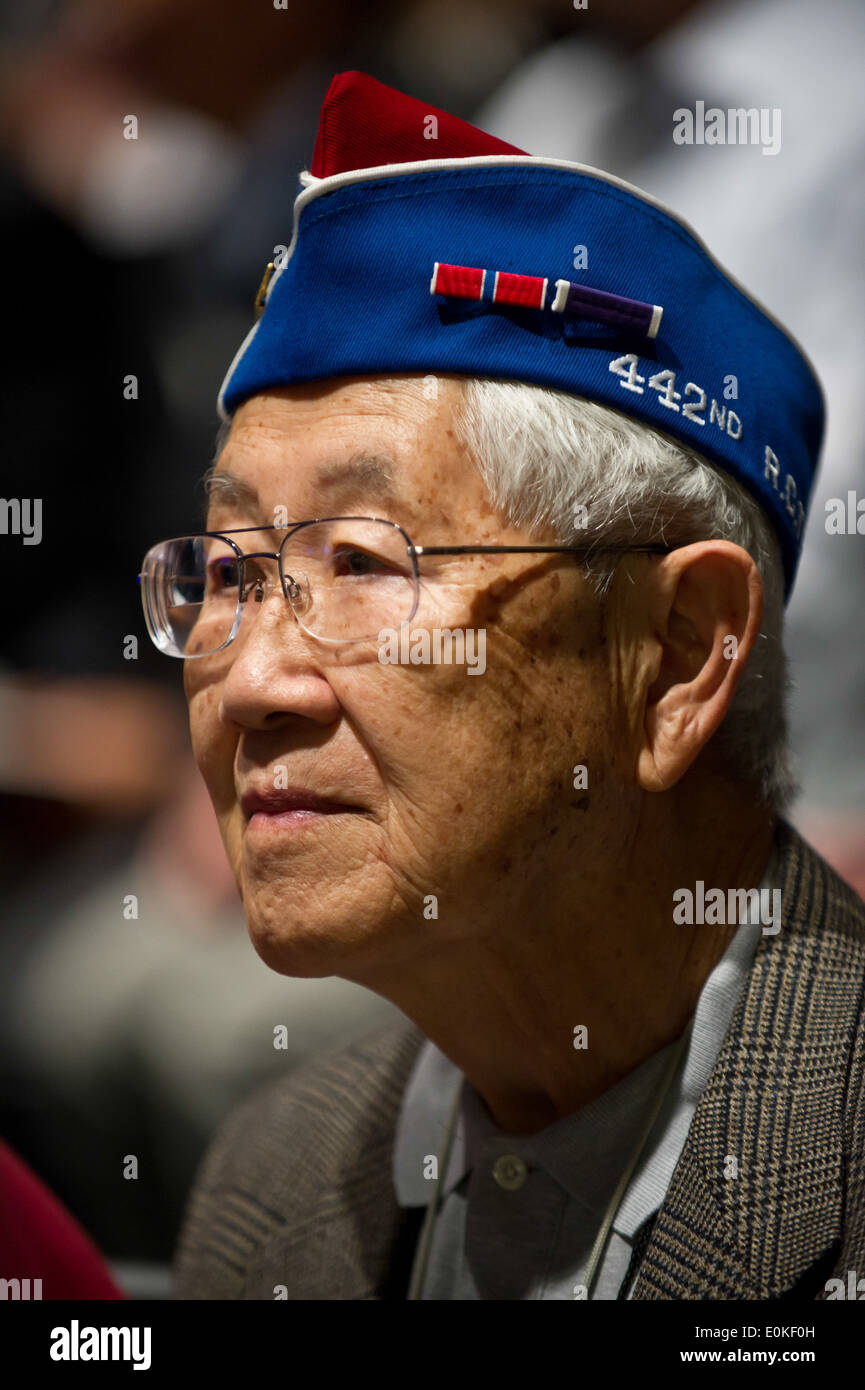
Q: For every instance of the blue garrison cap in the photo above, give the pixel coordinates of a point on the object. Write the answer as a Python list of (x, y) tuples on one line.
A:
[(421, 244)]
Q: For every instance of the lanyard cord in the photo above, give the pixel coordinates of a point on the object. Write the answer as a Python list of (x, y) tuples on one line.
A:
[(422, 1258), (603, 1234), (419, 1270)]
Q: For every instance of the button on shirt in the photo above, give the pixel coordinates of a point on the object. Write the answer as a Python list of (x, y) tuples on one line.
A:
[(520, 1213)]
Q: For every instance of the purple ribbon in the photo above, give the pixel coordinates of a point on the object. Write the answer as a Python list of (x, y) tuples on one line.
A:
[(613, 309)]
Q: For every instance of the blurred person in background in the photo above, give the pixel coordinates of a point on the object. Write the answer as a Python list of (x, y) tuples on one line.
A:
[(43, 1251)]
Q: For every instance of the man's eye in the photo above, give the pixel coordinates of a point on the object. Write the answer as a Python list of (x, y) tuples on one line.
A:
[(222, 574), (360, 563)]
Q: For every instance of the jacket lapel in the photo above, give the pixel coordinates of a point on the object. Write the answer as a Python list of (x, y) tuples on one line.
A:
[(754, 1207)]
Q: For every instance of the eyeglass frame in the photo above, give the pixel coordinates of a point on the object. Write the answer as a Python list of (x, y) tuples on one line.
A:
[(411, 549)]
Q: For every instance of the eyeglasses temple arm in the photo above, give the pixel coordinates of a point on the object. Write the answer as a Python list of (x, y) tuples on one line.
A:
[(540, 549)]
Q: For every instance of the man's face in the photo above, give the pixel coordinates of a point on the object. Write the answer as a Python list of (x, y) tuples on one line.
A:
[(462, 785)]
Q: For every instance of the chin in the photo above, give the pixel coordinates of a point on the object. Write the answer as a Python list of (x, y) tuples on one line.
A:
[(304, 946)]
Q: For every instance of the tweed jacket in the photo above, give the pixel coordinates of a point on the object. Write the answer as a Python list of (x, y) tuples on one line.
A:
[(295, 1195)]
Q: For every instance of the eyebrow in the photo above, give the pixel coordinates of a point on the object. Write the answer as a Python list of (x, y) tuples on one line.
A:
[(369, 473)]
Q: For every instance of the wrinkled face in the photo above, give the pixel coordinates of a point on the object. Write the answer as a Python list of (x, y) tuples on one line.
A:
[(451, 795)]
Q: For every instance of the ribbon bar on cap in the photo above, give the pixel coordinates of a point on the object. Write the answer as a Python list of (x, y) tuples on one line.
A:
[(530, 292)]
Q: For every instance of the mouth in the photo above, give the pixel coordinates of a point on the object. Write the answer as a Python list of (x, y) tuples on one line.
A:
[(291, 808)]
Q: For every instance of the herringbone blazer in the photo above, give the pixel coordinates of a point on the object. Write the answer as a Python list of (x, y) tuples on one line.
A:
[(295, 1195)]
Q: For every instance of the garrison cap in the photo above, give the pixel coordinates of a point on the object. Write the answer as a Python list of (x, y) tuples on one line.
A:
[(421, 244)]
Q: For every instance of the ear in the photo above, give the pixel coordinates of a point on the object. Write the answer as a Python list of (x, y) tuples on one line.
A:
[(706, 612)]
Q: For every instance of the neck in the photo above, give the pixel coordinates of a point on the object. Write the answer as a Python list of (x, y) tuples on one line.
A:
[(504, 1007)]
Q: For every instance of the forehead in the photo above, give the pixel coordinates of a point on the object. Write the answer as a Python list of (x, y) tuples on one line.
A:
[(388, 444)]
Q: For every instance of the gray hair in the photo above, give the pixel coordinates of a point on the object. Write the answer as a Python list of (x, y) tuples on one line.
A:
[(545, 454)]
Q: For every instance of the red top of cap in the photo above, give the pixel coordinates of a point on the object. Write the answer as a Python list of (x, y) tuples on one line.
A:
[(363, 123)]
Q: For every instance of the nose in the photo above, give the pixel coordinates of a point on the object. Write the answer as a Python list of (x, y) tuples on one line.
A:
[(271, 672)]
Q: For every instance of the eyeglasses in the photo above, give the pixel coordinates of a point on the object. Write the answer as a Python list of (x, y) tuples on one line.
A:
[(345, 578)]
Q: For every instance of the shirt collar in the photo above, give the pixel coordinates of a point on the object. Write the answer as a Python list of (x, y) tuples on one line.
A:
[(585, 1151)]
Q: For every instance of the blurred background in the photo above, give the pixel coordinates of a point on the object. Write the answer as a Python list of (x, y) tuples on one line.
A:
[(134, 1012)]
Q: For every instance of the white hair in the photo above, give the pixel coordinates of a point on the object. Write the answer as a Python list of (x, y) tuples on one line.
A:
[(545, 454)]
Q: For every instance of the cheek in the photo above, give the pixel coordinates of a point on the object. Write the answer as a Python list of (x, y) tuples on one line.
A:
[(415, 723), (213, 745), (465, 759)]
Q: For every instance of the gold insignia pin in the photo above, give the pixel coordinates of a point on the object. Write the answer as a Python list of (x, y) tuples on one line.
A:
[(261, 295)]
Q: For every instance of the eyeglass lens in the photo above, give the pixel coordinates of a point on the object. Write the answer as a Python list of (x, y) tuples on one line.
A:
[(346, 580)]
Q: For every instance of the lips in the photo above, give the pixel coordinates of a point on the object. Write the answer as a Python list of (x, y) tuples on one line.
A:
[(273, 801)]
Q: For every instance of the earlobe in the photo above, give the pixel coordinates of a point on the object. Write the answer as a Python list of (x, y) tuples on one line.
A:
[(708, 624)]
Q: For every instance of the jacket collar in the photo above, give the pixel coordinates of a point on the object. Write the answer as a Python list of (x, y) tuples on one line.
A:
[(754, 1206)]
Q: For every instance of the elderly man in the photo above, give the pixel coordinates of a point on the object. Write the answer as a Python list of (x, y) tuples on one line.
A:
[(483, 657)]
